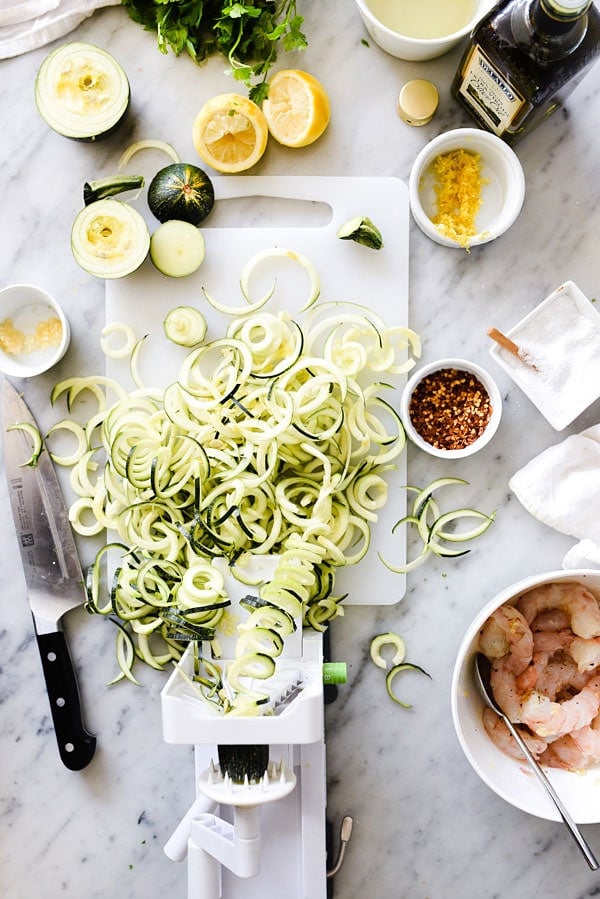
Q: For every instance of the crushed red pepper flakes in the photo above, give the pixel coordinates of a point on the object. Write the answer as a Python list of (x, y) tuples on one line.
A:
[(450, 408)]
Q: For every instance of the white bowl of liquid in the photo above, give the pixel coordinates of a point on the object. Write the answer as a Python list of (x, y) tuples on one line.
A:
[(420, 29), (34, 331)]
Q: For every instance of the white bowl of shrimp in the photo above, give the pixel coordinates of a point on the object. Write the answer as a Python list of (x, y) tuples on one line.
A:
[(542, 636)]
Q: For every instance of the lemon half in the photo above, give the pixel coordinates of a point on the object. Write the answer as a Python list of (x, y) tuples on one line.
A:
[(297, 109), (230, 133)]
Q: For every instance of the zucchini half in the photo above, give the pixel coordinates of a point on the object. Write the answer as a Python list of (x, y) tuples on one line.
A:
[(177, 249), (109, 239), (82, 92)]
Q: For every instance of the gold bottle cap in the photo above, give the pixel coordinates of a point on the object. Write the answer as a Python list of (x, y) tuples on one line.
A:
[(417, 102)]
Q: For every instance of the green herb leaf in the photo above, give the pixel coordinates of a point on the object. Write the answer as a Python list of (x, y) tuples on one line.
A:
[(242, 73), (259, 92), (248, 34)]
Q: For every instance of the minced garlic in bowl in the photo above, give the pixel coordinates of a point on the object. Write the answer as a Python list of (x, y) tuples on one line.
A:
[(16, 342), (34, 331)]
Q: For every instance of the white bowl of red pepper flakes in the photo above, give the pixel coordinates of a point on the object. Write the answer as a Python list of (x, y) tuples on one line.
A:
[(451, 408)]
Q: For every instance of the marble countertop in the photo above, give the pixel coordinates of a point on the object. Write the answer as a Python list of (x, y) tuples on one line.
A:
[(426, 827)]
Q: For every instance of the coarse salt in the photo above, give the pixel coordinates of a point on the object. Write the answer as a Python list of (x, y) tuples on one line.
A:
[(559, 369)]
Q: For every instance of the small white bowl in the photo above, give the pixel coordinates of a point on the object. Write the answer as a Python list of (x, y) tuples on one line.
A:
[(502, 197), (460, 365), (415, 48), (27, 306), (510, 779)]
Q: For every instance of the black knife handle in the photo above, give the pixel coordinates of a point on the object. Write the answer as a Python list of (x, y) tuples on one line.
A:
[(75, 745)]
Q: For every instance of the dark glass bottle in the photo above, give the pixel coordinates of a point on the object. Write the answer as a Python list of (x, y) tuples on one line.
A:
[(524, 58)]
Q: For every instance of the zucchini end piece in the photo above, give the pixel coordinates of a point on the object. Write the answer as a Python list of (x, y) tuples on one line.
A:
[(363, 231)]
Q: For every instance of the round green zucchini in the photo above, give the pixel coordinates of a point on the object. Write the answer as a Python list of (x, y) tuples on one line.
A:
[(109, 239), (181, 191), (82, 92), (177, 248)]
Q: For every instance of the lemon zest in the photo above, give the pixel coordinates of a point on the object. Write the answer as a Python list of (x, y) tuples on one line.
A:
[(458, 193)]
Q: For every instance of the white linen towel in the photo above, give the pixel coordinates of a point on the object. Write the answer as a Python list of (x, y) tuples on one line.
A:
[(561, 487), (29, 25)]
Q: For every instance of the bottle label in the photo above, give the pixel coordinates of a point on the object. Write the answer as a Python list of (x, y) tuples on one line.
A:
[(487, 91)]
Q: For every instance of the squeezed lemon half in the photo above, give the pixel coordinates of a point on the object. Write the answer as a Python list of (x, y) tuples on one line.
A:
[(230, 133)]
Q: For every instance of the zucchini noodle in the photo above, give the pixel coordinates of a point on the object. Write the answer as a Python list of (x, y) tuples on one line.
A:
[(79, 433), (127, 335), (273, 440), (148, 144), (432, 526)]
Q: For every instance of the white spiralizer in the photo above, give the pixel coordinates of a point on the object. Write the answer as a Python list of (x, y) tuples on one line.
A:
[(256, 839)]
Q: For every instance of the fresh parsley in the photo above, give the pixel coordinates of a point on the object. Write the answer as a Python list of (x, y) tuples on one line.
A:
[(248, 34)]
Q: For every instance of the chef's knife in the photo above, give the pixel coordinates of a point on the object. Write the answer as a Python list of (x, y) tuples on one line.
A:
[(52, 570)]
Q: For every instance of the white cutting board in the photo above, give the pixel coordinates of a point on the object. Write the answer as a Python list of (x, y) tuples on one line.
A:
[(315, 207)]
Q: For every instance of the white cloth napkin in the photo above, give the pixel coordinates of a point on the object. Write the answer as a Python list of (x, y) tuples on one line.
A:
[(561, 487), (26, 26)]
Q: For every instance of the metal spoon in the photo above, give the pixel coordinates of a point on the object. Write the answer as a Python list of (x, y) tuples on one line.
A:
[(482, 680)]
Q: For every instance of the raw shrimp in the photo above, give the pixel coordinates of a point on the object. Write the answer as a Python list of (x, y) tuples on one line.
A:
[(581, 605), (586, 653), (588, 739), (545, 646), (551, 620), (560, 678), (545, 655), (504, 687), (508, 687), (527, 680), (548, 643), (551, 720), (506, 634), (504, 740), (576, 751)]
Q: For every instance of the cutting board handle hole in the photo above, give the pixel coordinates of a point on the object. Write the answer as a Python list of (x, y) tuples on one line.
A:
[(269, 212)]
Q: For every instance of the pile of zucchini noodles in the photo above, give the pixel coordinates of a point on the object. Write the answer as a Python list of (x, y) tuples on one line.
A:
[(274, 440)]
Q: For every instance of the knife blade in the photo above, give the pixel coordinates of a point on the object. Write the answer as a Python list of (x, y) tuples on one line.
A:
[(53, 574)]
